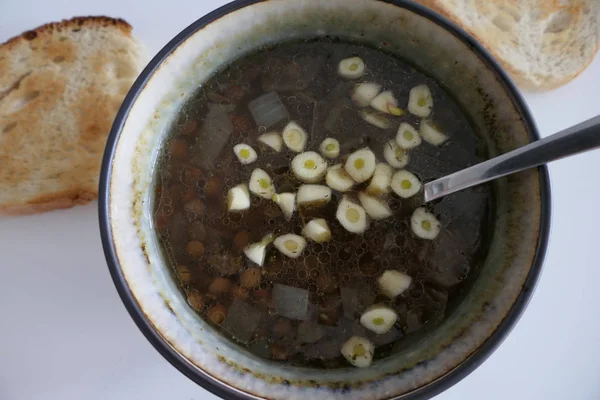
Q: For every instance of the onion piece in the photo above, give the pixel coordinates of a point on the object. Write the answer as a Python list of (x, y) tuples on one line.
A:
[(267, 110), (420, 101), (424, 224), (244, 153), (358, 351), (360, 165), (431, 134), (256, 252), (385, 102), (338, 179), (407, 136), (261, 184), (290, 245), (352, 216), (330, 148), (363, 93), (379, 318), (272, 139), (351, 68), (317, 230), (392, 283), (380, 183), (375, 208), (287, 203), (294, 137), (405, 184), (377, 119), (238, 198), (309, 167), (395, 155), (313, 195)]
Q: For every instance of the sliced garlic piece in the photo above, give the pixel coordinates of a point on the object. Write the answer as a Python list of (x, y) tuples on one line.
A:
[(386, 103), (375, 208), (309, 167), (405, 184), (407, 136), (363, 93), (261, 184), (380, 183), (377, 119), (358, 351), (287, 203), (313, 195), (395, 155), (351, 68), (424, 224), (352, 216), (392, 283), (294, 137), (338, 179), (330, 148), (272, 140), (290, 245), (317, 230), (238, 198), (256, 252), (360, 165), (431, 134), (244, 153), (379, 318), (420, 101)]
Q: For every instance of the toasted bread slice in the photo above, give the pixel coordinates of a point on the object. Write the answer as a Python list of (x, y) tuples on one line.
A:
[(543, 44), (60, 87)]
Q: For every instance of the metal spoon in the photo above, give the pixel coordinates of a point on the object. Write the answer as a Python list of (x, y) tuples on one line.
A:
[(576, 139)]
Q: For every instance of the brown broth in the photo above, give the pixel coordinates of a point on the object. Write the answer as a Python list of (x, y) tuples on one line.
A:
[(204, 242)]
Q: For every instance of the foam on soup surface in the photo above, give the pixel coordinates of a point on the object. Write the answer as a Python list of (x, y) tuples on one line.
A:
[(288, 203)]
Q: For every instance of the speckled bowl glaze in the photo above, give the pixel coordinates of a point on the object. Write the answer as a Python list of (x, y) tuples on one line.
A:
[(427, 366)]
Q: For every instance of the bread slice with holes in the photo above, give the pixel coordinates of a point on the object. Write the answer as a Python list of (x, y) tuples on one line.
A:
[(543, 44), (60, 87)]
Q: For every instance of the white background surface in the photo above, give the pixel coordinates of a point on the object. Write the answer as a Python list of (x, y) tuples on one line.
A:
[(64, 333)]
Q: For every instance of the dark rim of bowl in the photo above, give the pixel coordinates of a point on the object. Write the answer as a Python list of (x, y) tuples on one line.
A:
[(223, 390)]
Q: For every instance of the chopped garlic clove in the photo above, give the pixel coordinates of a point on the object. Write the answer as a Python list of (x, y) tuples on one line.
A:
[(405, 184), (379, 318), (377, 119), (395, 155), (351, 68), (238, 198), (358, 351), (287, 203), (272, 140), (380, 183), (392, 283), (385, 102), (360, 165), (420, 101), (338, 179), (290, 245), (330, 148), (244, 153), (317, 230), (313, 195), (256, 252), (375, 208), (352, 216), (261, 184), (294, 137), (407, 136), (431, 134), (309, 167), (424, 224), (363, 93)]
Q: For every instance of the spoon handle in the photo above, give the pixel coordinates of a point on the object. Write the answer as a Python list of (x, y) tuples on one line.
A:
[(576, 139)]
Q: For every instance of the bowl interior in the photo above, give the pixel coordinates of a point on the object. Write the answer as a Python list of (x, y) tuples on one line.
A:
[(402, 29)]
